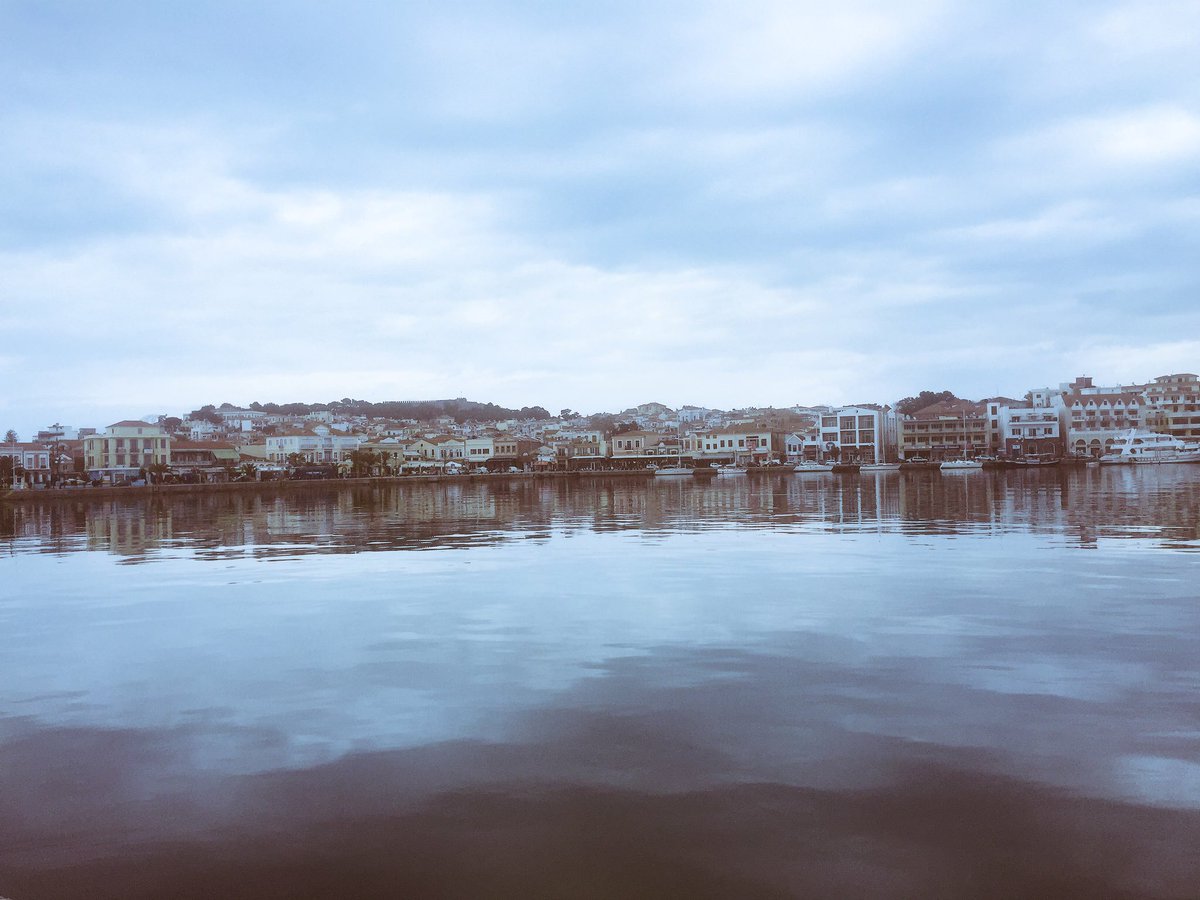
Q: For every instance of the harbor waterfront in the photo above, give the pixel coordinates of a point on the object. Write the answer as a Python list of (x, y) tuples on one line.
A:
[(886, 684)]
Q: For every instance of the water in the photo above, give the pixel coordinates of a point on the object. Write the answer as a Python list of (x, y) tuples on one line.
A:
[(895, 685)]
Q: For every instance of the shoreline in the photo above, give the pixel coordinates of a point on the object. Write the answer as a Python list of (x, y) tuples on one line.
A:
[(284, 485)]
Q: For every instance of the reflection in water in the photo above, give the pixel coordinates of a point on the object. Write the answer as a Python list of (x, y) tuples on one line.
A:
[(1080, 504), (893, 686)]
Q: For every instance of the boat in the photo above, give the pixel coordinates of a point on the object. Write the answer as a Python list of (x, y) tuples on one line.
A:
[(1036, 461), (845, 468), (730, 469), (961, 465), (1078, 459), (1137, 447), (879, 467), (917, 464), (673, 471), (808, 467)]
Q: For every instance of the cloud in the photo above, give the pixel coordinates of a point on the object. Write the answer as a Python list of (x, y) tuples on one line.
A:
[(770, 50), (592, 206), (1132, 142)]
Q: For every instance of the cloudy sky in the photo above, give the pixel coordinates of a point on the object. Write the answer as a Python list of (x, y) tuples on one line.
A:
[(591, 205)]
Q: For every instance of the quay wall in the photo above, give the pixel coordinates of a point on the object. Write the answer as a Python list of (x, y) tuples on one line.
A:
[(282, 485)]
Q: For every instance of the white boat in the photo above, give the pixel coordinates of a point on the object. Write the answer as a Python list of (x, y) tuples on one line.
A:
[(961, 465), (879, 467), (730, 470), (672, 471), (1137, 447), (810, 467)]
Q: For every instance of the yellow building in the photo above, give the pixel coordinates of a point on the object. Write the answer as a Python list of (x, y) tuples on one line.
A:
[(125, 450)]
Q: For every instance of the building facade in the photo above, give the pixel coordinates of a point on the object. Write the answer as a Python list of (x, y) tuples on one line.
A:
[(125, 451), (1177, 398), (949, 430), (858, 434)]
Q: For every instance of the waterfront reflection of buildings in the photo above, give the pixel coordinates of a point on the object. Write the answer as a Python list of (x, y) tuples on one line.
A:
[(1084, 505)]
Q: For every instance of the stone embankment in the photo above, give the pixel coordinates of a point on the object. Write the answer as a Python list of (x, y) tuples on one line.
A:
[(284, 485)]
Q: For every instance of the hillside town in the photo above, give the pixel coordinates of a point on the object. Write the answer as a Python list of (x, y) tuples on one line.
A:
[(1078, 419)]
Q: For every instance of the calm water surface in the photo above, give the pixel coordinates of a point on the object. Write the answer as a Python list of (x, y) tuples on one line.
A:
[(980, 684)]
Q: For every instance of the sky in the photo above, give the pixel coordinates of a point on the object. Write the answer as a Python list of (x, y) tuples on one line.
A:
[(591, 205)]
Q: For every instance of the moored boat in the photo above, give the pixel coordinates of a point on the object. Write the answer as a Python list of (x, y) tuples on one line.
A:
[(879, 467), (845, 468), (916, 464), (1035, 462), (961, 465), (808, 467), (673, 471), (1147, 448), (730, 470)]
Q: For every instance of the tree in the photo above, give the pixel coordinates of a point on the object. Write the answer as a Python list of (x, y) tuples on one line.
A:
[(296, 459), (248, 471), (362, 462), (911, 405), (206, 413), (157, 472), (10, 437)]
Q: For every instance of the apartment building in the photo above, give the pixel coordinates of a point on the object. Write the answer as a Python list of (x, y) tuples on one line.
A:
[(124, 450), (858, 434), (313, 446), (1177, 398), (946, 430)]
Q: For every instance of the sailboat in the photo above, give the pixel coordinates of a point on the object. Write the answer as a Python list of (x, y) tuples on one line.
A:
[(963, 464), (733, 468), (677, 470)]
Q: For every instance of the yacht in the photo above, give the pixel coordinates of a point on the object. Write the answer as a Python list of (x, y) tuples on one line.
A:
[(730, 469), (673, 471), (961, 465), (1137, 447), (808, 467), (879, 467)]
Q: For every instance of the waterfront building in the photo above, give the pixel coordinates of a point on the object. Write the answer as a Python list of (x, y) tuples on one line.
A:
[(30, 463), (635, 443), (203, 461), (946, 430), (1028, 430), (317, 446), (1177, 398), (1095, 417), (740, 443), (794, 445), (125, 450), (861, 434), (479, 449)]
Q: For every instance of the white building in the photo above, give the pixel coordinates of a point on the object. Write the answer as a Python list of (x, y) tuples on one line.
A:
[(862, 434), (313, 447), (738, 443)]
